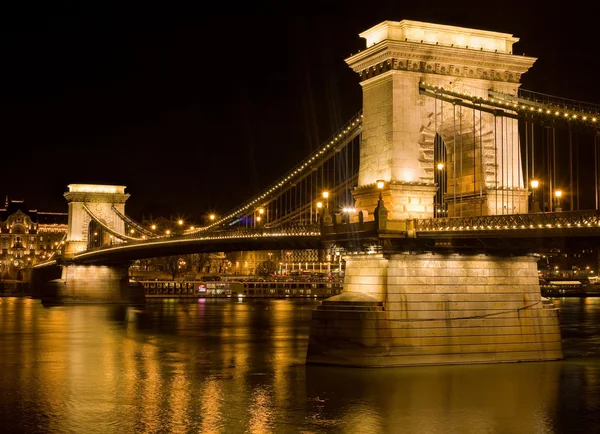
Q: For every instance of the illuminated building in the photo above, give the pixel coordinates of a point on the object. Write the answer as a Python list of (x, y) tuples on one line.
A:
[(27, 236)]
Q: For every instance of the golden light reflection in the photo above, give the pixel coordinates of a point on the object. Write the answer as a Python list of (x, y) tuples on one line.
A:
[(261, 412), (150, 390), (282, 359), (211, 406), (179, 400)]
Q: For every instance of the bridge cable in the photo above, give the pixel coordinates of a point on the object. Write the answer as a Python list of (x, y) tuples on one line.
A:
[(481, 168), (577, 169), (474, 163), (444, 177), (454, 158), (527, 163), (596, 168), (496, 162), (545, 166), (503, 164), (519, 168), (437, 174), (553, 162), (462, 179), (570, 167), (532, 151)]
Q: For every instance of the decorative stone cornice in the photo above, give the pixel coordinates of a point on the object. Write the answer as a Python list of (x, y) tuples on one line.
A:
[(424, 58), (96, 197)]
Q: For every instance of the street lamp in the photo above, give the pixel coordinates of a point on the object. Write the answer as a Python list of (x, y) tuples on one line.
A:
[(380, 185), (212, 217), (326, 197), (534, 186), (558, 194), (440, 166), (180, 222)]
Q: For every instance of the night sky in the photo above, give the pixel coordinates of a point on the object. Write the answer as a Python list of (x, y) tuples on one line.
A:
[(196, 113)]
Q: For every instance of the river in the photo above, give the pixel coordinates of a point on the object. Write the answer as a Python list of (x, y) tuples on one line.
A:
[(229, 366)]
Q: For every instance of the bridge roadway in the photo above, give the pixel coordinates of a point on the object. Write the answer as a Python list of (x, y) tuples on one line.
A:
[(511, 233)]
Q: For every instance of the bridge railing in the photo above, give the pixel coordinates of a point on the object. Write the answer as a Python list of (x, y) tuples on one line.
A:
[(559, 102), (312, 230), (568, 219)]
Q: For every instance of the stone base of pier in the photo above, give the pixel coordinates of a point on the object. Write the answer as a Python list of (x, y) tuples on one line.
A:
[(435, 309), (85, 284)]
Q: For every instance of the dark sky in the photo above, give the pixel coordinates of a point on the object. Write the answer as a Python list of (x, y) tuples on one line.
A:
[(196, 113)]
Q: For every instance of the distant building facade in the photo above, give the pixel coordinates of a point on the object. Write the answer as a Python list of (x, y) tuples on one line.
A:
[(27, 236)]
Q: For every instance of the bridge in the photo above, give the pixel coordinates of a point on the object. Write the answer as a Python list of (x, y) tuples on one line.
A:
[(439, 192)]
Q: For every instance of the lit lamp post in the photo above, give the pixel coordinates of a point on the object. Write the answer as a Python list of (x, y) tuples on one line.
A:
[(439, 206), (558, 194), (319, 208), (534, 186), (380, 185), (380, 212), (326, 197), (260, 211)]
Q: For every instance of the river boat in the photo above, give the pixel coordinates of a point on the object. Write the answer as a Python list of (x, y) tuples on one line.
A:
[(241, 289)]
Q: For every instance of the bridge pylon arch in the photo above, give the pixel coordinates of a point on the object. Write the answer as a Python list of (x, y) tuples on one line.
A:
[(100, 201)]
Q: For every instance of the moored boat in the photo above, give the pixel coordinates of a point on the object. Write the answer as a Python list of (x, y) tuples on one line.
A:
[(241, 289)]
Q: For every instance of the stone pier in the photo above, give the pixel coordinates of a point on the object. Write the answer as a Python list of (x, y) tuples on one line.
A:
[(84, 284), (428, 309)]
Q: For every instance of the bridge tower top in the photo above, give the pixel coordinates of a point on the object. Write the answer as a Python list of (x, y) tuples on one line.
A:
[(438, 34), (96, 188), (402, 128)]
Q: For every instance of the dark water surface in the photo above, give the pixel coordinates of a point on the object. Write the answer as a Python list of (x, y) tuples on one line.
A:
[(222, 366)]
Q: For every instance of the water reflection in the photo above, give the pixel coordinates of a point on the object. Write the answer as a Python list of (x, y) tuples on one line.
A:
[(220, 366), (476, 398)]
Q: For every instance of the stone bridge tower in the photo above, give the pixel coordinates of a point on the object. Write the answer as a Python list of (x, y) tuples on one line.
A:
[(400, 124), (443, 305), (86, 200)]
